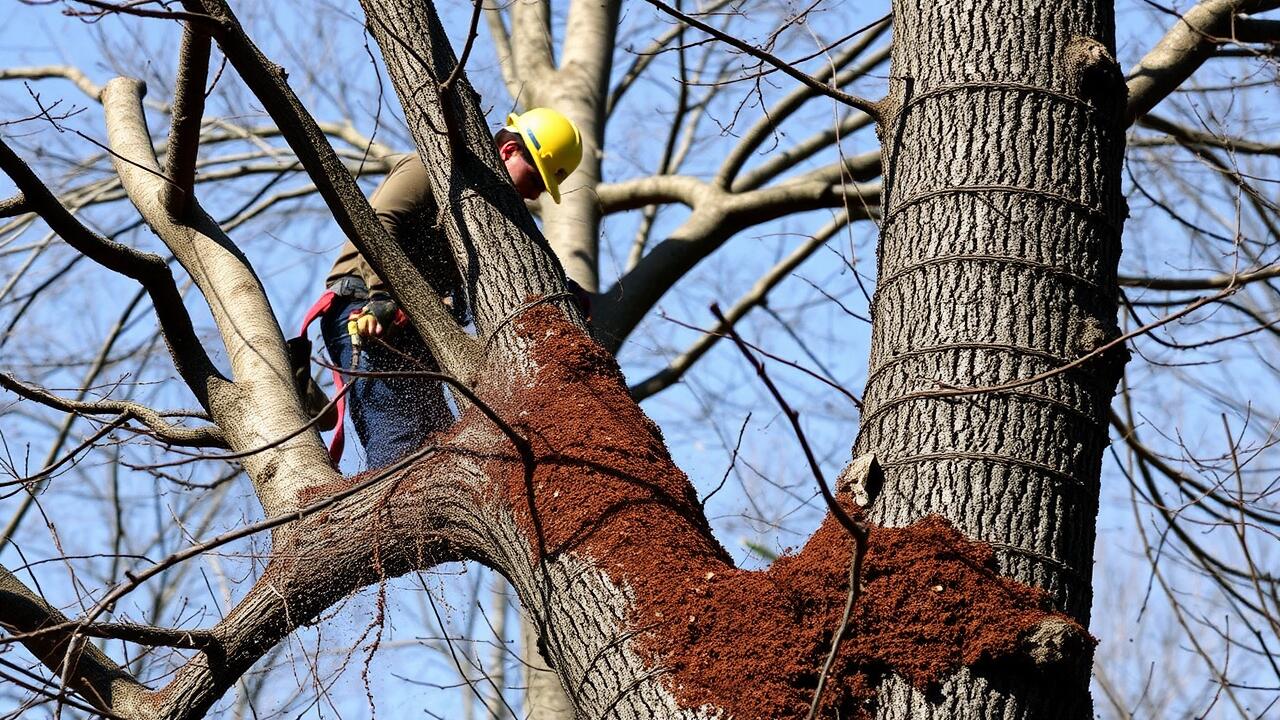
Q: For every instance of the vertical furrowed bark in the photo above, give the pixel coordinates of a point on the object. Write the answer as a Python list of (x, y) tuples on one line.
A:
[(1003, 210)]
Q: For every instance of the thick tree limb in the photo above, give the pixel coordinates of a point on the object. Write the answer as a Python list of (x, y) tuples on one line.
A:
[(578, 89), (494, 19), (654, 190), (851, 168), (150, 635), (1184, 48), (717, 216), (533, 58), (262, 404), (94, 676), (1255, 30), (359, 534)]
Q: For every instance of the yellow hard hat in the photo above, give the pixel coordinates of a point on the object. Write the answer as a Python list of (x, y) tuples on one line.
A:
[(553, 141)]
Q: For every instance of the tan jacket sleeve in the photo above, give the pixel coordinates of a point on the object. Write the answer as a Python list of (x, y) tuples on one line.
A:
[(402, 194)]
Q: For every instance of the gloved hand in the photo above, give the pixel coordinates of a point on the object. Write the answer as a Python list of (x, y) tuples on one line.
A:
[(380, 315)]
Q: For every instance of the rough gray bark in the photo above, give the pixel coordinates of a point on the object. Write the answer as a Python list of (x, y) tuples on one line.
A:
[(1003, 144)]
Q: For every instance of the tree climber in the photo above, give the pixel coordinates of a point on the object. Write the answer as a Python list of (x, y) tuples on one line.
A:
[(394, 415)]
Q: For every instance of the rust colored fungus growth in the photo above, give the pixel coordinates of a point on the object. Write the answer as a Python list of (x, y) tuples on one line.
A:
[(749, 642)]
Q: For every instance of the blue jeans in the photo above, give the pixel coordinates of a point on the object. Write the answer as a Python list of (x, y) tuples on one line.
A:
[(393, 416)]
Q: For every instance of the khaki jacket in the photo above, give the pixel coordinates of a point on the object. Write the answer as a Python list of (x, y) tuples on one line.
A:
[(404, 204)]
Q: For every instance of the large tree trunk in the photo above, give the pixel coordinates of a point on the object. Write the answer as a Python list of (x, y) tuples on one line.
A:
[(1003, 146), (995, 266)]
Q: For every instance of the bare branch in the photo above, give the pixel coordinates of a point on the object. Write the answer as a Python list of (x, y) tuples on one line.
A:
[(400, 518), (66, 72), (1184, 48), (495, 20), (16, 205), (150, 635), (188, 108), (867, 106), (1086, 357), (855, 168), (154, 420), (106, 8), (1212, 282), (858, 532), (466, 47), (654, 190), (753, 298), (646, 56), (1255, 30), (766, 126), (717, 216), (779, 162), (96, 677), (190, 359), (1187, 137)]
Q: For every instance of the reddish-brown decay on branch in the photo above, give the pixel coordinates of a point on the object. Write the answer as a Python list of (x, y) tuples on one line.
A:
[(749, 642)]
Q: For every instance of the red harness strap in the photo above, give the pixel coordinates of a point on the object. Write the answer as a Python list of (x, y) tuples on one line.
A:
[(337, 443)]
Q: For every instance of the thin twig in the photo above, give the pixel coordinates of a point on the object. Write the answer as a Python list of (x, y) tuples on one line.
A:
[(1012, 384), (869, 107), (857, 531), (472, 32)]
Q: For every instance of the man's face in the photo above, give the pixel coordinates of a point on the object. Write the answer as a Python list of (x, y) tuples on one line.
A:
[(524, 175)]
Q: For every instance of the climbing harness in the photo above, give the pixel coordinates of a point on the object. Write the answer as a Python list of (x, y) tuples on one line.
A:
[(322, 306)]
